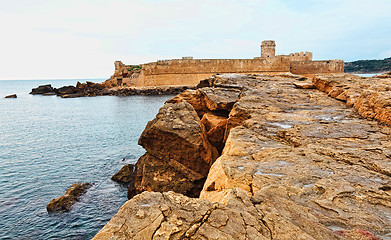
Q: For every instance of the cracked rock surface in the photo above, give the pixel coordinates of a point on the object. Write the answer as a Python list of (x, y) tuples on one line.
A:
[(296, 164)]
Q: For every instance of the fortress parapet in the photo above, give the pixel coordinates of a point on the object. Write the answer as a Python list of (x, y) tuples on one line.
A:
[(189, 71), (268, 49)]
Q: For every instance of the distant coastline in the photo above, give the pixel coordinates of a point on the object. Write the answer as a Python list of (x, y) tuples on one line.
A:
[(368, 66)]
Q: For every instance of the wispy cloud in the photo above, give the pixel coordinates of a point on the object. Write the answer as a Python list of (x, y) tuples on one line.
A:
[(69, 38)]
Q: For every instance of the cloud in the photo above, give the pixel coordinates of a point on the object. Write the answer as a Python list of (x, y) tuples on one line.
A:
[(60, 39)]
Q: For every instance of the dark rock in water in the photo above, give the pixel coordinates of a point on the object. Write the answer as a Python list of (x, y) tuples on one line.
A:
[(66, 90), (11, 96), (125, 175), (71, 196), (42, 89)]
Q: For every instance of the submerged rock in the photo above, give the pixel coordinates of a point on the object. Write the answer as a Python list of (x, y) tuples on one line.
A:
[(71, 196), (11, 96)]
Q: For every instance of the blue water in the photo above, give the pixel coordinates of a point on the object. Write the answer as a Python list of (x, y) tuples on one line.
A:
[(48, 143)]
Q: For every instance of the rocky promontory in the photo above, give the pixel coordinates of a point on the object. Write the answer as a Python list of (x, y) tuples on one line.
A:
[(276, 157), (91, 89)]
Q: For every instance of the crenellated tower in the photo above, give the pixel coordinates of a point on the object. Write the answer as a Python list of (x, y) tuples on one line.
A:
[(268, 49)]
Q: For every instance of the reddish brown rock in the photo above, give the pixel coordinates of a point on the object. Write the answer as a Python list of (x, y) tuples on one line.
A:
[(179, 154), (11, 96), (215, 128), (195, 98), (177, 133), (162, 175), (71, 196), (125, 175)]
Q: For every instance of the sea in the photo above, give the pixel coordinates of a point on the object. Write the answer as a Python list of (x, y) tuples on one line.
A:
[(47, 143)]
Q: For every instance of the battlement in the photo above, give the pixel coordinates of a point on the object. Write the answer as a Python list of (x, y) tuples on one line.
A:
[(189, 71), (268, 49)]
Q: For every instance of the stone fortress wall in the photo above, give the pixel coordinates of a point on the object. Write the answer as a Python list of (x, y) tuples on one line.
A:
[(189, 71)]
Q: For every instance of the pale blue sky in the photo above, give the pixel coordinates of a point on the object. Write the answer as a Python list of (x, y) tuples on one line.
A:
[(44, 39)]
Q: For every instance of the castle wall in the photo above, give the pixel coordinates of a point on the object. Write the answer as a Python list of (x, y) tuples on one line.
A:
[(189, 71), (317, 67)]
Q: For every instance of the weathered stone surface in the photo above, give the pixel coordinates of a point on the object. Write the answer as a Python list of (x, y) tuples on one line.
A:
[(161, 175), (125, 175), (217, 99), (194, 97), (11, 96), (314, 149), (371, 97), (178, 152), (42, 89), (308, 163), (173, 216), (176, 133), (304, 85), (71, 196), (215, 128)]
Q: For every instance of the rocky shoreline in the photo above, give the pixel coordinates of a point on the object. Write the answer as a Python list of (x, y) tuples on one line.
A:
[(267, 157), (90, 89)]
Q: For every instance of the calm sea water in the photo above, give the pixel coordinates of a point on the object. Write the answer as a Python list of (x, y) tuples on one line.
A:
[(48, 143)]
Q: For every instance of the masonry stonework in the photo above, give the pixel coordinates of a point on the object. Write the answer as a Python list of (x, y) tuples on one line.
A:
[(189, 71), (268, 49)]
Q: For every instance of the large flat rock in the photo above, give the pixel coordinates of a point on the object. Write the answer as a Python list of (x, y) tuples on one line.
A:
[(297, 164)]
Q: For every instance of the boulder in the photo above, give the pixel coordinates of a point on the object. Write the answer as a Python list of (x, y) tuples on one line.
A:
[(42, 89), (194, 97), (125, 175), (178, 152), (217, 99), (11, 96), (71, 196), (162, 175), (177, 134), (215, 128), (66, 90)]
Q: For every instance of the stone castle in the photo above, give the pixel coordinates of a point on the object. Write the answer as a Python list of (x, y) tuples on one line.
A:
[(189, 71)]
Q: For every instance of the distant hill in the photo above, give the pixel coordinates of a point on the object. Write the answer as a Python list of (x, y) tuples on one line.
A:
[(368, 66)]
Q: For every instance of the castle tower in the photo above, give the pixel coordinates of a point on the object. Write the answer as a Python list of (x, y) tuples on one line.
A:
[(268, 49)]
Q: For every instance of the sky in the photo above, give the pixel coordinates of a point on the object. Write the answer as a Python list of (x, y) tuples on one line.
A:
[(61, 39)]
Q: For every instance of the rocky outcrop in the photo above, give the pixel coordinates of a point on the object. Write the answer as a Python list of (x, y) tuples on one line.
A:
[(296, 164), (173, 216), (125, 175), (71, 196), (371, 97), (11, 96), (42, 89), (90, 89)]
